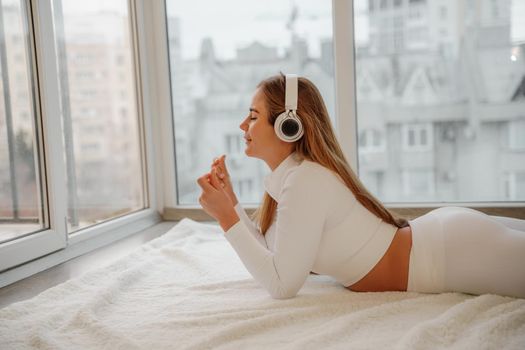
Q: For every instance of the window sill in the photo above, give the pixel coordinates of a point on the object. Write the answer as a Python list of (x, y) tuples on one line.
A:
[(409, 211)]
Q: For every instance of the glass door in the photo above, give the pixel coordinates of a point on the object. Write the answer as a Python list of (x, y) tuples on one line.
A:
[(30, 224)]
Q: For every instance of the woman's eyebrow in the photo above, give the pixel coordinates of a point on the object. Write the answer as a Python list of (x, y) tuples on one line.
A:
[(253, 110)]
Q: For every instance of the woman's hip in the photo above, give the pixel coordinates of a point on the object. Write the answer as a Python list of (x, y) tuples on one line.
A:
[(464, 250)]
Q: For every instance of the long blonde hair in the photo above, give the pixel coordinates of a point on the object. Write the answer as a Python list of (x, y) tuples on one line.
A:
[(318, 144)]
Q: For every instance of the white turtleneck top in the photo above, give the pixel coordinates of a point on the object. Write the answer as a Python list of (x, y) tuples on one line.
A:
[(319, 226)]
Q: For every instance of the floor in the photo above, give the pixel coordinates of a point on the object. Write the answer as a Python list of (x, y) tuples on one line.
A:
[(36, 284)]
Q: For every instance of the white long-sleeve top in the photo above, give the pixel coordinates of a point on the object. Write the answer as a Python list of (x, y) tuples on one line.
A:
[(319, 226)]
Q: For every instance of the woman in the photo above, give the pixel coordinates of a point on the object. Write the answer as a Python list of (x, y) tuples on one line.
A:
[(316, 216)]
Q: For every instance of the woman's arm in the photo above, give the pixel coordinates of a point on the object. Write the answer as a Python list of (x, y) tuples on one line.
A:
[(301, 215), (219, 165), (250, 225)]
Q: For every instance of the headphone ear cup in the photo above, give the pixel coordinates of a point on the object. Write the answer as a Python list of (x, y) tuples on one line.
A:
[(288, 127)]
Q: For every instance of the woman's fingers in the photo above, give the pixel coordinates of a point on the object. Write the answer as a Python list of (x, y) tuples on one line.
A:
[(217, 164), (219, 167), (216, 170), (210, 181), (215, 179), (204, 183), (222, 165), (220, 173)]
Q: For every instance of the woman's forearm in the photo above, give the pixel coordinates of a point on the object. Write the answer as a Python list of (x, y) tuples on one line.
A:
[(229, 219)]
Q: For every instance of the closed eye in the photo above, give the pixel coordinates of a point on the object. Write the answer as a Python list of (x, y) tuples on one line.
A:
[(252, 112)]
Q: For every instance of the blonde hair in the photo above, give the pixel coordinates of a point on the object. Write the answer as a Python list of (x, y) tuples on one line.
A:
[(318, 144)]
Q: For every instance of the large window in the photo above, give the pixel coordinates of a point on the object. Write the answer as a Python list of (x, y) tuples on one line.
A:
[(445, 81), (21, 201), (104, 168), (217, 57), (72, 139)]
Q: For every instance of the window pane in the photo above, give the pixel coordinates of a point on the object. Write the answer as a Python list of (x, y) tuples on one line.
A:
[(21, 205), (446, 81), (217, 57), (101, 129), (515, 185)]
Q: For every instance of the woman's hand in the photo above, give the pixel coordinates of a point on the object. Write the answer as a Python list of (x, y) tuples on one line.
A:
[(219, 165), (215, 201)]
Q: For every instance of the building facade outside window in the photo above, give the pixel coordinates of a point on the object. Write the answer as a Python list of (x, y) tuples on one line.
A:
[(515, 185), (99, 105), (451, 103), (418, 184), (417, 137), (516, 130), (372, 140)]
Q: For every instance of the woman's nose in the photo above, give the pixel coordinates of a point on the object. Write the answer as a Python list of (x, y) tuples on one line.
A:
[(243, 125)]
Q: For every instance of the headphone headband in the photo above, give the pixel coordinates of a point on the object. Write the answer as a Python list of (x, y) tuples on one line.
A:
[(288, 126), (291, 92)]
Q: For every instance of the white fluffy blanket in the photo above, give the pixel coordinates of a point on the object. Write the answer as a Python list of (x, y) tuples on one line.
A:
[(188, 290)]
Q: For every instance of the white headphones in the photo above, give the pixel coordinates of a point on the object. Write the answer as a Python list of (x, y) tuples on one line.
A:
[(288, 126)]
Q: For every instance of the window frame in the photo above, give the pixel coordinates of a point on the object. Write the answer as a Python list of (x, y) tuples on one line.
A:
[(150, 210), (44, 78)]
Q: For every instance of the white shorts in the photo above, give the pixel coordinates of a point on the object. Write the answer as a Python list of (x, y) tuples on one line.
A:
[(463, 250)]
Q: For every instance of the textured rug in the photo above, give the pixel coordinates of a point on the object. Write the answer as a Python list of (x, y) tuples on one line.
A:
[(188, 290)]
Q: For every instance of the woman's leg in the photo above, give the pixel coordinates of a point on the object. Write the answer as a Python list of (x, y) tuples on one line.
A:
[(482, 255), (513, 223)]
